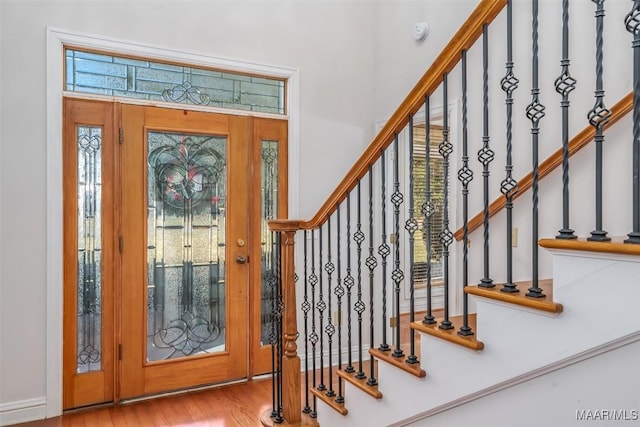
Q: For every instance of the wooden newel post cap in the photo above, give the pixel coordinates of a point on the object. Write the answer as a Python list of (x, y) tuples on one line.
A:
[(284, 225)]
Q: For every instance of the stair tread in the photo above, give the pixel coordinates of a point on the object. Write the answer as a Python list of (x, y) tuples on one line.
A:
[(545, 303), (371, 390), (615, 246), (330, 400), (452, 335), (399, 362)]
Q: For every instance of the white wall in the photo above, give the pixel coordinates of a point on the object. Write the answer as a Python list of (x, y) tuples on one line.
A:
[(329, 42)]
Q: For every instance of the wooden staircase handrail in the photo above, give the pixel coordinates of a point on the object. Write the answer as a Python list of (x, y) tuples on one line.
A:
[(581, 140), (464, 38)]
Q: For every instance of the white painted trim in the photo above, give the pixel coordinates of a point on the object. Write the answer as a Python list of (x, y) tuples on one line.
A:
[(593, 255), (22, 411), (56, 39), (593, 352)]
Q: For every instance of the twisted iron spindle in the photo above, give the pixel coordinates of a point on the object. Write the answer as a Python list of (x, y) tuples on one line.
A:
[(411, 225), (349, 282), (535, 112), (359, 306), (446, 236), (509, 186), (485, 156), (274, 339), (330, 329), (465, 175), (598, 118), (371, 263), (428, 208), (313, 337), (306, 307), (565, 84), (339, 292), (632, 22), (384, 251), (396, 275), (321, 306)]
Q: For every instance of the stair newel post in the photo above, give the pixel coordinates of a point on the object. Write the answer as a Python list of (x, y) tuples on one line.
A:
[(290, 365), (384, 250), (411, 225), (535, 112), (397, 275), (632, 22), (598, 116), (359, 306), (509, 186), (428, 208), (564, 85), (446, 236), (465, 175), (371, 263), (330, 329), (306, 307), (485, 156), (339, 292)]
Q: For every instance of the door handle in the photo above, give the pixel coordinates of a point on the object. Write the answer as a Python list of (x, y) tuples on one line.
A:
[(242, 259)]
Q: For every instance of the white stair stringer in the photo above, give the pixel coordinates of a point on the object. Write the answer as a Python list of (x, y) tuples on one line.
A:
[(600, 294)]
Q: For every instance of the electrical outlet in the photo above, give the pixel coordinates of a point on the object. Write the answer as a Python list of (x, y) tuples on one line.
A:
[(514, 237)]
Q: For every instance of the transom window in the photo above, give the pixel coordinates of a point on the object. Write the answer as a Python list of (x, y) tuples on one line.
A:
[(111, 75)]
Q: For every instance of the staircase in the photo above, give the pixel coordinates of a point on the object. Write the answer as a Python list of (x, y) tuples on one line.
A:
[(515, 320)]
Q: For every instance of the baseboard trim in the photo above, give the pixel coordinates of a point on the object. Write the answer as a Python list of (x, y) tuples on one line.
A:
[(596, 351), (22, 411)]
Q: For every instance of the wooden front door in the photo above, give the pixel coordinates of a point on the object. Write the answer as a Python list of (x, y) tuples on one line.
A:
[(182, 283)]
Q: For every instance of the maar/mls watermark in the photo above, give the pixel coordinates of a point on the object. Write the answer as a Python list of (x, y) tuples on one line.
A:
[(607, 414)]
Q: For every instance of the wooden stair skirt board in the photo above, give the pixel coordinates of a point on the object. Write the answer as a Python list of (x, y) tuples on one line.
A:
[(371, 390), (331, 401), (518, 298), (399, 362), (305, 421), (451, 335)]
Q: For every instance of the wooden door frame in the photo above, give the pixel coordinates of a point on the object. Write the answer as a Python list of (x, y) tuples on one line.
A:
[(57, 38)]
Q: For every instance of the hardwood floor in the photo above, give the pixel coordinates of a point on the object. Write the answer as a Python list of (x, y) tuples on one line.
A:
[(238, 405)]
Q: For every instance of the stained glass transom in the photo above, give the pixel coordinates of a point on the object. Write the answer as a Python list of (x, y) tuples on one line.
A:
[(112, 75)]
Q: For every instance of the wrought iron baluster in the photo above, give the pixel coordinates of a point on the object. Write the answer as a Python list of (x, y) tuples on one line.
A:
[(273, 337), (330, 330), (465, 175), (535, 112), (384, 250), (411, 225), (371, 263), (428, 208), (632, 21), (339, 292), (485, 156), (359, 306), (349, 282), (509, 186), (279, 313), (321, 306), (397, 275), (598, 116), (565, 84), (446, 236), (305, 309), (313, 280), (278, 309)]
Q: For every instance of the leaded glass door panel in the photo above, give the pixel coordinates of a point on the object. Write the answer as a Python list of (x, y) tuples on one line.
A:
[(185, 198)]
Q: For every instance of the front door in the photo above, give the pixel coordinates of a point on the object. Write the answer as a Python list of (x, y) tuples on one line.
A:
[(182, 289)]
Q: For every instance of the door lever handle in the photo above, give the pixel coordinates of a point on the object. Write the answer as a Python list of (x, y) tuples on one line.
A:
[(242, 259)]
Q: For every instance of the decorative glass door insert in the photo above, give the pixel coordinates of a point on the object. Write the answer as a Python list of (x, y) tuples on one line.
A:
[(186, 186)]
